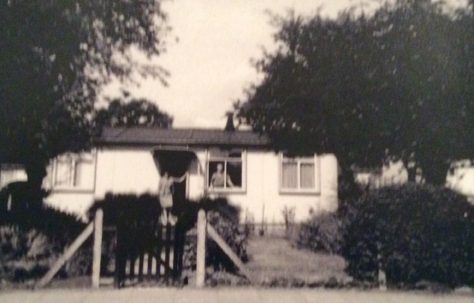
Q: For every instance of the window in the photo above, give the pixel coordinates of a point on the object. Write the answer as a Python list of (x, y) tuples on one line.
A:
[(298, 174), (74, 171), (225, 170), (10, 173)]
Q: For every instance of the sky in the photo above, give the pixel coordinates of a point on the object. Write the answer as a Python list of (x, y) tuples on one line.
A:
[(209, 53)]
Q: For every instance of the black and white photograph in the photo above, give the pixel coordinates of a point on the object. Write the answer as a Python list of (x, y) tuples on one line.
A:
[(236, 151)]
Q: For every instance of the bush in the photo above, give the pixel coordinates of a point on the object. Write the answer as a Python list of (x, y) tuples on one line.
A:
[(23, 255), (322, 233), (225, 219), (414, 233), (45, 220), (126, 208), (235, 236), (30, 242)]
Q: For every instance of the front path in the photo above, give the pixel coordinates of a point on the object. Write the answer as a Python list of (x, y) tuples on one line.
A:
[(273, 261)]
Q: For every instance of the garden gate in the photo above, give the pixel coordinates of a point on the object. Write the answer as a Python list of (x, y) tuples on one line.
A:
[(147, 250)]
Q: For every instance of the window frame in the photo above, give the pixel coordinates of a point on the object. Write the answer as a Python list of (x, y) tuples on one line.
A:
[(71, 187), (299, 161), (225, 189)]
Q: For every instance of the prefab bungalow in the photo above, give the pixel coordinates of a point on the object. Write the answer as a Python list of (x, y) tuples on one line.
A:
[(260, 181)]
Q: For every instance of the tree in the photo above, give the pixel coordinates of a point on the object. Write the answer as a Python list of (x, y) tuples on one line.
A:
[(424, 65), (310, 99), (54, 57), (136, 112), (369, 88)]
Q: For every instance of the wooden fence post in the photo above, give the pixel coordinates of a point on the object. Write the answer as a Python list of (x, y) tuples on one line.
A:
[(69, 252), (201, 249), (97, 250), (214, 235)]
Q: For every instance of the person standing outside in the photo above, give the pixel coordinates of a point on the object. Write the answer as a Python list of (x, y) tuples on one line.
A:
[(165, 194)]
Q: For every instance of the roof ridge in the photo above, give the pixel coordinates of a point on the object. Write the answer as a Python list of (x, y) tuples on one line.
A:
[(193, 136), (194, 129)]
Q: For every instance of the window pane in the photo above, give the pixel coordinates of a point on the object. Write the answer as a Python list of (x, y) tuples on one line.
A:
[(217, 153), (225, 168), (78, 174), (216, 174), (234, 174), (75, 170), (307, 175), (64, 172), (84, 173), (220, 153), (289, 175), (235, 154)]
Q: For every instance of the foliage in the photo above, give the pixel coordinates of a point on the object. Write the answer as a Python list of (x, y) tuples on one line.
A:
[(30, 243), (393, 85), (126, 208), (235, 236), (135, 112), (45, 220), (21, 197), (55, 57), (413, 233), (23, 254), (322, 233)]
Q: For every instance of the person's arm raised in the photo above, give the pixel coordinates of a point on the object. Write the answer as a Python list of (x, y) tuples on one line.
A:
[(180, 179)]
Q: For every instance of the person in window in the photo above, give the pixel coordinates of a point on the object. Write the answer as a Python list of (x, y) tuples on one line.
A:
[(218, 178), (165, 193)]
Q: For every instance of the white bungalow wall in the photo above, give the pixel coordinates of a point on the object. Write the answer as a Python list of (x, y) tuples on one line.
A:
[(134, 171), (263, 199), (126, 171)]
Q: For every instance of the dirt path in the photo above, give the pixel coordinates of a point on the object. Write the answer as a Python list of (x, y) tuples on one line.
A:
[(273, 259)]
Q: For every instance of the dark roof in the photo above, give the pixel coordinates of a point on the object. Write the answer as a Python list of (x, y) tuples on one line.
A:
[(152, 136)]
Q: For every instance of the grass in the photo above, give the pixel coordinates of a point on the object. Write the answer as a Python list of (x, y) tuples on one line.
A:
[(275, 262)]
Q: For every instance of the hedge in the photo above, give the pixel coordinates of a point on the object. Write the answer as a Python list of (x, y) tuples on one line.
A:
[(32, 239), (322, 233), (414, 233)]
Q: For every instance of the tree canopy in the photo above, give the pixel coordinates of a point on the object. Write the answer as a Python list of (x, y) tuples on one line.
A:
[(393, 85), (135, 112), (54, 57)]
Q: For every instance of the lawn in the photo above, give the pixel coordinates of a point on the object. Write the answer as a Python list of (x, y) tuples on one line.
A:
[(275, 262)]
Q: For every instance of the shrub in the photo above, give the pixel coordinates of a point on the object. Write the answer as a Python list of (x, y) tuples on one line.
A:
[(30, 242), (126, 208), (225, 219), (414, 233), (322, 233), (235, 236), (46, 220), (22, 254), (28, 254)]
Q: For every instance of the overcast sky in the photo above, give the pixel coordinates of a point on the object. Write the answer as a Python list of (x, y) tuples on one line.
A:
[(210, 60)]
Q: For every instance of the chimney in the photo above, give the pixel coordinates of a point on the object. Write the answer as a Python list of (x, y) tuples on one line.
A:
[(229, 126)]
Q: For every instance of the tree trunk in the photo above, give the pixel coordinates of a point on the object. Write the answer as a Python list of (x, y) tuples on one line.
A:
[(348, 190), (410, 166), (34, 194), (411, 174), (435, 172)]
